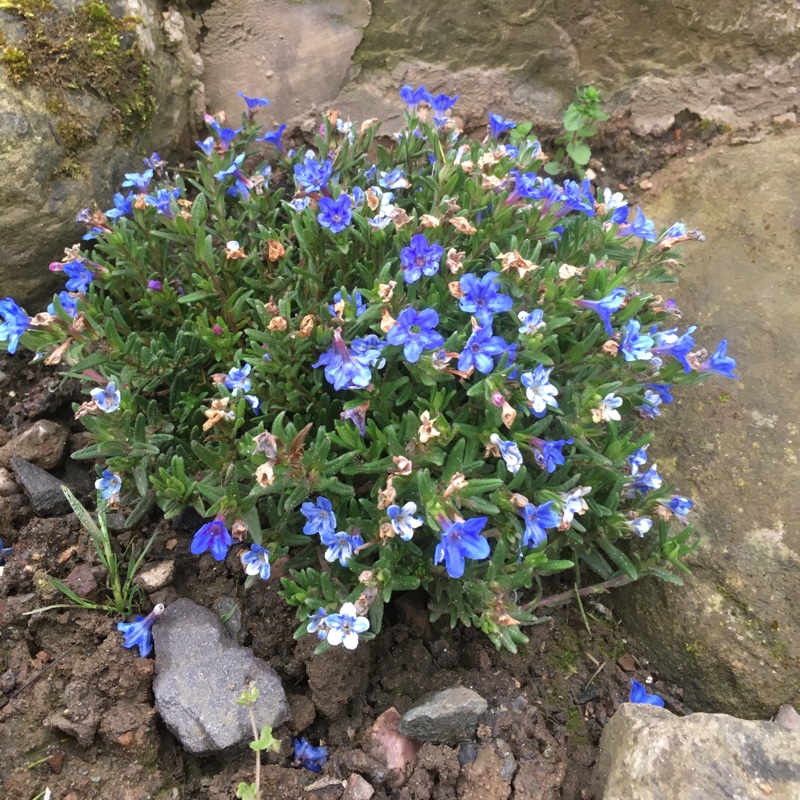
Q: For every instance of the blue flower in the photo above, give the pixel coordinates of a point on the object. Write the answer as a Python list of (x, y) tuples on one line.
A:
[(415, 332), (341, 546), (140, 182), (156, 163), (639, 695), (497, 124), (650, 404), (358, 196), (123, 206), (531, 322), (606, 306), (275, 138), (237, 380), (345, 369), (719, 363), (536, 520), (637, 459), (640, 526), (256, 561), (109, 485), (662, 390), (643, 483), (616, 203), (413, 97), (540, 392), (356, 299), (548, 192), (676, 231), (335, 215), (308, 756), (300, 203), (163, 201), (441, 103), (4, 551), (253, 104), (225, 135), (481, 297), (396, 179), (107, 399), (317, 623), (420, 258), (15, 323), (548, 455), (636, 346), (641, 226), (680, 507), (79, 276), (368, 347), (578, 197), (461, 540), (311, 176), (668, 343), (479, 349), (67, 302), (213, 536), (358, 416), (320, 516), (572, 503), (509, 452), (344, 627), (403, 520), (139, 632), (525, 185), (206, 145)]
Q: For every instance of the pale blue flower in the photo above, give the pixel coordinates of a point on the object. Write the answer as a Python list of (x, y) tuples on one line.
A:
[(537, 519), (109, 485), (509, 452), (640, 526), (540, 392), (320, 516), (531, 322), (341, 546), (256, 561), (344, 627), (107, 399), (403, 520), (461, 540), (636, 346)]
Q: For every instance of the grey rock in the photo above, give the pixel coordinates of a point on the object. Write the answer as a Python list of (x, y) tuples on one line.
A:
[(200, 672), (787, 717), (156, 576), (230, 614), (447, 717), (42, 489), (42, 444), (646, 753), (357, 788)]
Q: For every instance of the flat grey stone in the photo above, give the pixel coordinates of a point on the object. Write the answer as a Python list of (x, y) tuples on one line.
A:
[(200, 672), (43, 490), (42, 444), (447, 717), (646, 753)]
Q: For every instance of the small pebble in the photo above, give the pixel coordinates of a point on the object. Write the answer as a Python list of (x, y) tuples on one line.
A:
[(8, 485)]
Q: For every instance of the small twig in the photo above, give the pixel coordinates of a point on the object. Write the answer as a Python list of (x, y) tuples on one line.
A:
[(565, 597), (40, 673), (596, 673), (581, 609)]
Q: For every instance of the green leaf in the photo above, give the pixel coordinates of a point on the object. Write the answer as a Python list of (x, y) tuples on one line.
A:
[(579, 152), (573, 118), (266, 741), (246, 791)]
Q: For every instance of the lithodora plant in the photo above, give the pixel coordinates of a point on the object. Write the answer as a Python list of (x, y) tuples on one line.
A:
[(390, 367)]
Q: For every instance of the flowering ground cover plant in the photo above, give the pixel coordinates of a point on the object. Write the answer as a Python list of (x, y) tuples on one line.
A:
[(391, 368)]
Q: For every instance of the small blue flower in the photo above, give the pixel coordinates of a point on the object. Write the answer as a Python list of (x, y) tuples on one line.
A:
[(358, 416), (415, 333), (481, 297), (4, 551), (461, 540), (636, 346), (396, 179), (300, 203), (311, 176), (139, 632), (140, 182), (123, 206), (548, 455), (356, 299), (317, 623), (607, 410), (643, 483), (79, 276), (497, 125), (341, 546), (680, 507), (213, 536), (509, 452), (641, 226), (413, 97), (237, 380), (67, 302), (420, 258), (256, 561), (606, 306), (369, 347), (403, 520), (639, 695), (616, 203), (572, 503), (206, 145), (526, 185), (650, 404), (225, 135), (344, 627), (275, 138), (531, 322), (345, 369), (107, 399), (109, 485), (540, 392), (547, 191), (670, 344), (441, 103), (479, 349), (253, 103), (536, 520), (640, 526), (163, 201), (720, 363), (662, 390), (308, 756), (578, 197), (15, 323), (320, 516), (637, 459), (676, 231), (335, 215)]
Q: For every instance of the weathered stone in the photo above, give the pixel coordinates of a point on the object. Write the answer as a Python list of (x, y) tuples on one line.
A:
[(42, 444), (357, 788), (42, 489), (646, 753), (387, 744), (447, 717), (156, 576), (8, 486), (201, 672), (731, 635), (82, 581)]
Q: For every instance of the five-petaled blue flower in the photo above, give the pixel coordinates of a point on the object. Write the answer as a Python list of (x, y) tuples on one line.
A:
[(415, 333), (461, 540), (345, 369), (537, 519), (206, 145), (635, 345), (548, 455), (162, 201), (344, 627), (480, 348), (308, 756), (577, 197), (650, 404), (641, 226), (606, 306), (640, 526), (368, 346), (481, 297), (79, 276), (396, 179), (644, 482), (66, 301), (225, 135), (109, 485), (213, 536), (540, 392), (720, 363), (140, 182), (509, 452), (637, 459), (253, 104), (311, 175), (341, 546), (335, 215), (531, 322), (317, 623), (107, 399), (275, 138), (670, 344), (420, 258), (123, 206), (441, 103), (256, 561), (356, 300), (497, 124), (680, 507), (413, 97), (403, 520), (237, 380), (639, 695), (139, 632), (15, 323), (320, 516)]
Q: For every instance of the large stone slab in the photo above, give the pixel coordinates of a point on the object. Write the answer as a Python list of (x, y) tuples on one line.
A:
[(731, 637)]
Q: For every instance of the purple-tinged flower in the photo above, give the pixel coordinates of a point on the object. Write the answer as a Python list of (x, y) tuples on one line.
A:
[(206, 145), (344, 627), (15, 323), (139, 632), (680, 507), (676, 231), (300, 203), (461, 540), (213, 536), (311, 175), (549, 455), (107, 399), (441, 103), (237, 380), (720, 363), (420, 258), (243, 184), (639, 695), (531, 322), (641, 226), (123, 206), (358, 195), (396, 179), (341, 546), (643, 483), (413, 97), (155, 163), (525, 185), (79, 276), (357, 300), (369, 174), (509, 451), (345, 369), (640, 526), (254, 104), (358, 416), (572, 503), (636, 346), (669, 344), (320, 516), (155, 286), (479, 349), (650, 404), (275, 138), (540, 392), (403, 520), (66, 301), (335, 215), (138, 181), (225, 135), (497, 124), (415, 333), (317, 623), (308, 756), (606, 306), (577, 197), (109, 485), (662, 390), (547, 191), (537, 519), (163, 201), (256, 561), (637, 459), (481, 297), (369, 347)]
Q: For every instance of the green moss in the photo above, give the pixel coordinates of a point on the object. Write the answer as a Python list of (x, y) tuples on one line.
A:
[(17, 64), (28, 9)]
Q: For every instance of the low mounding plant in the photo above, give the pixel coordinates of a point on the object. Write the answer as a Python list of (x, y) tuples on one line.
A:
[(390, 367)]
